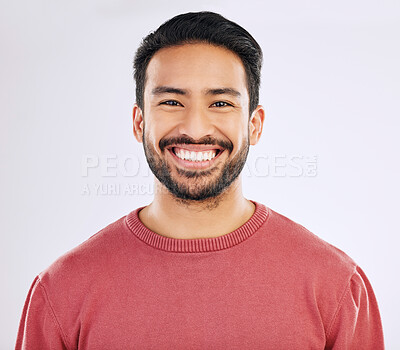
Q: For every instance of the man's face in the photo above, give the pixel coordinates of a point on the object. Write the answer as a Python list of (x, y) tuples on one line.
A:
[(196, 119)]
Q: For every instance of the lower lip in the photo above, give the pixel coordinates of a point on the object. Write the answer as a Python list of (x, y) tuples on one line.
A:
[(194, 165)]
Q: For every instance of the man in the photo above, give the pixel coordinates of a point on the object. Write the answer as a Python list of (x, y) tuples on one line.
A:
[(201, 267)]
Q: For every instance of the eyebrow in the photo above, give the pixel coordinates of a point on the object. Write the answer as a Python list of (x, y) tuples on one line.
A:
[(159, 90), (168, 90), (223, 91)]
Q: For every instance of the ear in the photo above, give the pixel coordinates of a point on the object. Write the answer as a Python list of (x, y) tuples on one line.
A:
[(137, 123), (256, 124)]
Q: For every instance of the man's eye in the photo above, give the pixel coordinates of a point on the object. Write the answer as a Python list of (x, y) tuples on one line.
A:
[(221, 104), (171, 103)]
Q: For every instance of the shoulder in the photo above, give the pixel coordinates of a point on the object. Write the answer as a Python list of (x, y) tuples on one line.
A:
[(297, 245), (84, 262), (321, 272)]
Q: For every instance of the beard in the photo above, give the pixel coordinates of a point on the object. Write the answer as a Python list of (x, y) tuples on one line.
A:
[(200, 185)]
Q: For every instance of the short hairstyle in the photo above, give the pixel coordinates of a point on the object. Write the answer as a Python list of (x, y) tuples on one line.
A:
[(207, 27)]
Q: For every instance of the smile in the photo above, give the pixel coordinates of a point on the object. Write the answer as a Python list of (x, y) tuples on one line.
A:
[(193, 156)]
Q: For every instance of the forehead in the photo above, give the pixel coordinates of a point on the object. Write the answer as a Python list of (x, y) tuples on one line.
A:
[(196, 67)]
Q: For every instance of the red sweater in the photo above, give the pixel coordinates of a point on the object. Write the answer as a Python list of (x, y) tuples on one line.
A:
[(270, 284)]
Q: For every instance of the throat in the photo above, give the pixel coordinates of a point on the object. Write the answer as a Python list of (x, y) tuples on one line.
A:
[(182, 221)]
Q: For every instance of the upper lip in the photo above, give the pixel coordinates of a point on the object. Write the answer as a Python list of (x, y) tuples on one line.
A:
[(196, 148)]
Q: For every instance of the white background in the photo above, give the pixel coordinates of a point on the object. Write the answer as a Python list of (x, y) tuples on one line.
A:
[(330, 87)]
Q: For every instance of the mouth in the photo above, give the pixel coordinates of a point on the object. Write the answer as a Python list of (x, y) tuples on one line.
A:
[(195, 156)]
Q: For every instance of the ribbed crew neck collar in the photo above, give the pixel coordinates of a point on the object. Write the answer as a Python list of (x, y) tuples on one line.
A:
[(197, 245)]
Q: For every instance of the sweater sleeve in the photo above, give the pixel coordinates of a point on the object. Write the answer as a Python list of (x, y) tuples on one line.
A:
[(357, 323), (39, 328)]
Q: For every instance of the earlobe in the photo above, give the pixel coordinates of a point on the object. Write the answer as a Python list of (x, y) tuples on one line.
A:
[(137, 123), (256, 124)]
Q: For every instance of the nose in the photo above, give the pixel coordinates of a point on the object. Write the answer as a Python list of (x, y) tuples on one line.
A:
[(196, 123)]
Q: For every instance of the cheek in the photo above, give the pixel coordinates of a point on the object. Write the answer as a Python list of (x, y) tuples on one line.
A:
[(154, 132), (235, 131)]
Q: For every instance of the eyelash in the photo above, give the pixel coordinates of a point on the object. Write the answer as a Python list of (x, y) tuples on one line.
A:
[(174, 103), (226, 104), (168, 103)]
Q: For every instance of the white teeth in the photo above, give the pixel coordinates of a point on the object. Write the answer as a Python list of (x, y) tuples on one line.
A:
[(194, 156), (187, 155)]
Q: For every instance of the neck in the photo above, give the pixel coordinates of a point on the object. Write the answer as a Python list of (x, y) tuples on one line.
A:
[(185, 219)]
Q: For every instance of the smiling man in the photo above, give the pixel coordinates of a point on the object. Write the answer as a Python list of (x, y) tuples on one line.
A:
[(195, 123), (201, 267)]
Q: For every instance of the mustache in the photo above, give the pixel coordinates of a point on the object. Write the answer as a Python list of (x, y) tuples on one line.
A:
[(207, 140)]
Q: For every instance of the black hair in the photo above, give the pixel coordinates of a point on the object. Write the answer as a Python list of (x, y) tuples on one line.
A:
[(207, 27)]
